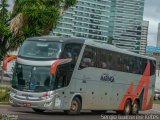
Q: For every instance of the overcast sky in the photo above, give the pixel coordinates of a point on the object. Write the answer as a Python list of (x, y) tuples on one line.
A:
[(152, 14)]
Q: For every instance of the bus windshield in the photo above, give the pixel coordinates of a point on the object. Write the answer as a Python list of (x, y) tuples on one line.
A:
[(40, 49), (32, 78)]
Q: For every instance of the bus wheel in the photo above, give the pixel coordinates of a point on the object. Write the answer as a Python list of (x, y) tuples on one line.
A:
[(75, 107), (37, 110), (127, 108), (135, 108)]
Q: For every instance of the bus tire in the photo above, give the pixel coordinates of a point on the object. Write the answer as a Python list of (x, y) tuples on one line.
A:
[(75, 108), (135, 108), (38, 110), (127, 108)]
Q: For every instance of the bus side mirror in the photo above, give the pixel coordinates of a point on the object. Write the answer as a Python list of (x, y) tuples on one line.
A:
[(7, 60)]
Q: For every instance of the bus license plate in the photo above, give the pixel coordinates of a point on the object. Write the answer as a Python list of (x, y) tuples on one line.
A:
[(26, 104)]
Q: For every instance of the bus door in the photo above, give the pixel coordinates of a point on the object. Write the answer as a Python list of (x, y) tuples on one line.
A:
[(85, 85), (65, 71)]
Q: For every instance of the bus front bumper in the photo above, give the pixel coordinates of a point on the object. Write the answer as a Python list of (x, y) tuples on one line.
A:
[(46, 103)]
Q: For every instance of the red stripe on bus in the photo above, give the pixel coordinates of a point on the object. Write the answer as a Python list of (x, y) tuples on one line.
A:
[(130, 94), (7, 60), (144, 83), (55, 65), (150, 103)]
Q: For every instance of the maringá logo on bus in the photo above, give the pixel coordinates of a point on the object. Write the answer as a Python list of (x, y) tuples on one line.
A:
[(106, 77)]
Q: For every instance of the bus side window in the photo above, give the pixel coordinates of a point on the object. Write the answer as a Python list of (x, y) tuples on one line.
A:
[(137, 65), (101, 61), (126, 63), (113, 61), (152, 67), (71, 51), (88, 58), (144, 64)]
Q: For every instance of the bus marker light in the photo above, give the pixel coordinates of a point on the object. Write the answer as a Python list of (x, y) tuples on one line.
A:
[(45, 94)]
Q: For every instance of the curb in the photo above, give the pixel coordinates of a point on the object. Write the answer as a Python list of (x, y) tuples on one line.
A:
[(4, 103)]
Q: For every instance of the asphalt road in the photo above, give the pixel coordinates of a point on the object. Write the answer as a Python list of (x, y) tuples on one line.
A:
[(27, 114)]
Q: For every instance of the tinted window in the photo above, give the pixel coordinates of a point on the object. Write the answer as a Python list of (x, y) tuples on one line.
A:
[(32, 78), (63, 75), (71, 51), (88, 58), (105, 59), (64, 71), (40, 49), (102, 59), (153, 67)]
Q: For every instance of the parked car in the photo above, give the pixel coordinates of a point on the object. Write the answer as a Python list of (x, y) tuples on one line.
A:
[(156, 95)]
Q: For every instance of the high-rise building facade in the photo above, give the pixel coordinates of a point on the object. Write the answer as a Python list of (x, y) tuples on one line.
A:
[(158, 36), (144, 34), (88, 19), (115, 20), (127, 24)]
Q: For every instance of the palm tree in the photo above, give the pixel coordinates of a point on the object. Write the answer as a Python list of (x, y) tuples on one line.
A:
[(3, 9), (28, 18), (4, 29), (37, 17)]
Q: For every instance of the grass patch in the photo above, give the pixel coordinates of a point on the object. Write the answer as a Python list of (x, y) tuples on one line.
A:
[(156, 102), (4, 94)]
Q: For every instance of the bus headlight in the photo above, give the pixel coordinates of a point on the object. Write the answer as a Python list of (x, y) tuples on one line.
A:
[(50, 96)]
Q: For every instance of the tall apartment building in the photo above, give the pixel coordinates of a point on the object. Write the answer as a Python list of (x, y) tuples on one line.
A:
[(115, 20), (158, 36), (88, 19), (144, 34), (127, 24)]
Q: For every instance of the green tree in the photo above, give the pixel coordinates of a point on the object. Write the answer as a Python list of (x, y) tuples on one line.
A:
[(4, 28), (29, 18)]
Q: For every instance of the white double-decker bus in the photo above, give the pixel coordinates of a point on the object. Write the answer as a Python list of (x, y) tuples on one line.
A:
[(72, 74)]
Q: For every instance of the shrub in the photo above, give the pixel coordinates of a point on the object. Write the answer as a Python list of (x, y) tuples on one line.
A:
[(4, 94)]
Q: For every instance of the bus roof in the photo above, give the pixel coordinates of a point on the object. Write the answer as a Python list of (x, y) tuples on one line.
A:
[(58, 39), (94, 43)]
